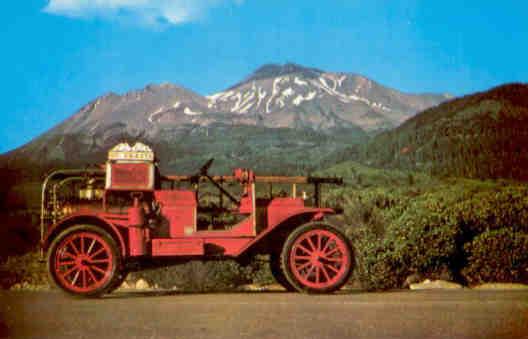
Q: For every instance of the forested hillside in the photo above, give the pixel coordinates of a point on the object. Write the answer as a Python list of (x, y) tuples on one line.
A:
[(483, 135)]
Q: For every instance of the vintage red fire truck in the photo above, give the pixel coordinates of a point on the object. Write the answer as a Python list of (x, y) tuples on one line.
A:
[(97, 225)]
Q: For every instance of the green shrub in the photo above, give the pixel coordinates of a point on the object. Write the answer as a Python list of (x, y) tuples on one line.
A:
[(197, 276), (23, 268), (495, 209), (361, 213), (424, 238), (260, 272), (376, 268), (366, 215), (497, 256), (420, 237)]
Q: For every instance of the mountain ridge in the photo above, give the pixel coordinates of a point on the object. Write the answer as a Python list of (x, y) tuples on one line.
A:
[(319, 105)]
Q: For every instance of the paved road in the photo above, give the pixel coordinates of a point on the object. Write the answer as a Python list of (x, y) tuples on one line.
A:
[(406, 314)]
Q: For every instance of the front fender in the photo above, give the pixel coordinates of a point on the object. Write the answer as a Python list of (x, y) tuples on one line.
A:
[(88, 219)]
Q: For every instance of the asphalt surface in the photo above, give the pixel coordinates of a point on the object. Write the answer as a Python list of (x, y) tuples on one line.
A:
[(405, 314)]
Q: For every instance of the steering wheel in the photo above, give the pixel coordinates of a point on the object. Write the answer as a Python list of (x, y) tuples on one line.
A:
[(203, 172), (206, 166)]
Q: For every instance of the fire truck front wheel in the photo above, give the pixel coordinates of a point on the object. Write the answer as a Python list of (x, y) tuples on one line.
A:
[(317, 258), (84, 260)]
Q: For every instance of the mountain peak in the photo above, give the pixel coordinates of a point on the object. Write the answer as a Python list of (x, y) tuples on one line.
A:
[(153, 87), (274, 70)]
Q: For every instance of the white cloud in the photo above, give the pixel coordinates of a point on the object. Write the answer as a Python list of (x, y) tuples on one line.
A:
[(149, 12)]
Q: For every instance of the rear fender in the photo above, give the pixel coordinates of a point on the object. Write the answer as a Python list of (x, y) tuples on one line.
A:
[(312, 214), (278, 232), (85, 219)]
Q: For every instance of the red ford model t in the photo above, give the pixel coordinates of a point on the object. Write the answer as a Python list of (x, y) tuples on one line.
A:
[(98, 225)]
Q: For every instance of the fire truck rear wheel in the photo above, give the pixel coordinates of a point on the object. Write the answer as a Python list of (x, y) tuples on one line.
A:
[(84, 260), (317, 258)]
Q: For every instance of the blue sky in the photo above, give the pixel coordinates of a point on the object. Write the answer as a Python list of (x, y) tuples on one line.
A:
[(56, 56)]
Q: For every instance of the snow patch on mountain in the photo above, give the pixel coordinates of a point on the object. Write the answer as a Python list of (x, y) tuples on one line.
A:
[(275, 90), (94, 127), (299, 99), (189, 111), (261, 95), (238, 98), (300, 82), (221, 96), (156, 112), (246, 102), (340, 80), (287, 92)]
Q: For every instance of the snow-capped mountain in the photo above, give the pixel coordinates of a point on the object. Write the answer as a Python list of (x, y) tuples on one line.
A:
[(294, 96), (287, 95)]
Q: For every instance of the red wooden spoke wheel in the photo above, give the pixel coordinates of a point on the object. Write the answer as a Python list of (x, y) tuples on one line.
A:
[(317, 258), (84, 261)]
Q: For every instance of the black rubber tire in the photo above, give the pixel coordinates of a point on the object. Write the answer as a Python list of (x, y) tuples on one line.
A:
[(285, 254), (116, 261), (278, 274)]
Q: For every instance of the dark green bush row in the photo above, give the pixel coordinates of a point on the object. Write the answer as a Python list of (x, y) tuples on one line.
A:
[(198, 276), (454, 232)]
